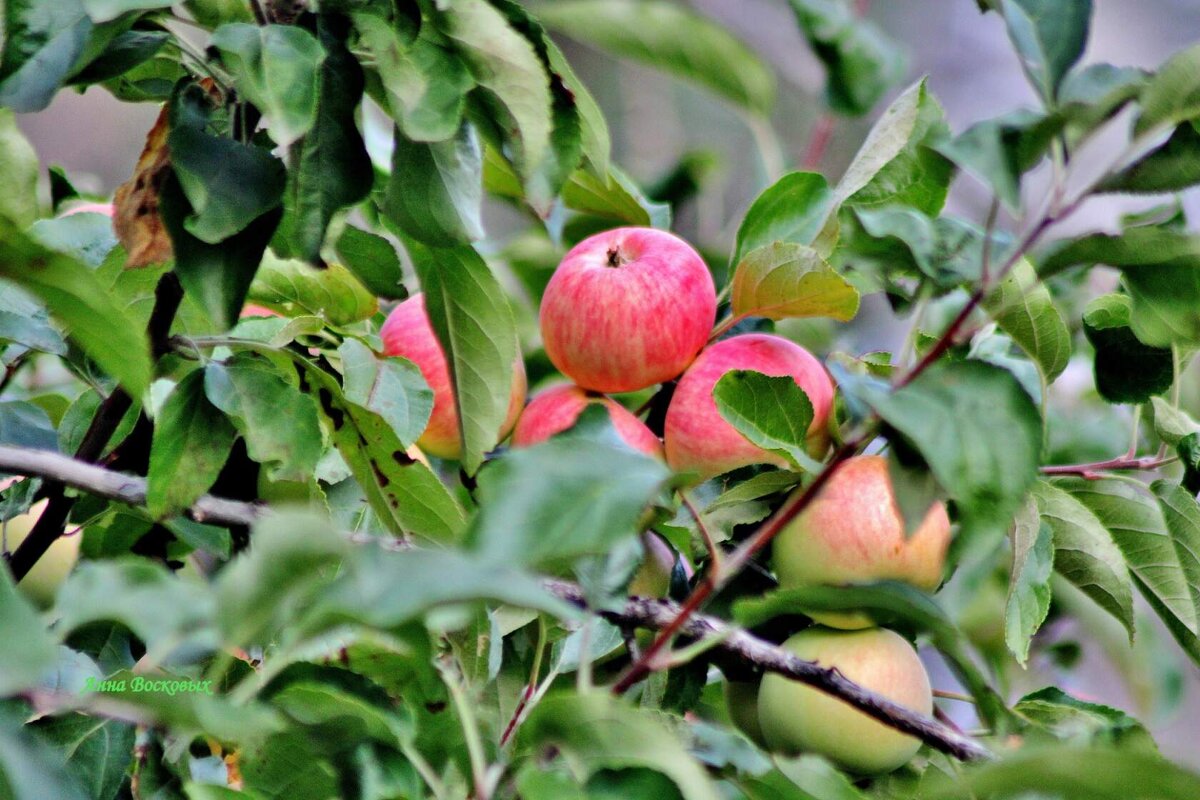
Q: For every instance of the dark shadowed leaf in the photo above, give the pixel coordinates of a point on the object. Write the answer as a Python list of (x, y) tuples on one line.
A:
[(1171, 167), (373, 260), (1173, 94), (29, 768), (1126, 370), (94, 750), (434, 193)]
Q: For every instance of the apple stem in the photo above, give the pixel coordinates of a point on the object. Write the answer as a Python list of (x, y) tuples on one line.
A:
[(615, 259)]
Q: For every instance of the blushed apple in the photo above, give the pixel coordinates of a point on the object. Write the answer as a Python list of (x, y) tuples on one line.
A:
[(741, 701), (626, 309), (408, 333), (800, 719), (697, 437), (555, 409), (852, 532)]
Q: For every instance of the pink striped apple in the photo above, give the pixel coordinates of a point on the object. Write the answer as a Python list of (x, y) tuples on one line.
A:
[(408, 333), (697, 437), (852, 532), (555, 409), (626, 309)]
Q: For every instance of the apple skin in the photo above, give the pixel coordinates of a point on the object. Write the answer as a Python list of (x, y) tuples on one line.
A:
[(408, 333), (626, 309), (797, 718), (852, 532), (697, 437), (741, 701), (653, 577), (42, 582), (555, 409)]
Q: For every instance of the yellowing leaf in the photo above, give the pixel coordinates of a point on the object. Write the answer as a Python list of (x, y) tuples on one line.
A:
[(783, 280)]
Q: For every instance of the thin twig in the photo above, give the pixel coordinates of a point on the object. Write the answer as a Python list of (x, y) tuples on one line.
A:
[(1093, 470), (710, 544)]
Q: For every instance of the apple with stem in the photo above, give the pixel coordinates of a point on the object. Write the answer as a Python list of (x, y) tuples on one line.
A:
[(626, 309), (407, 332), (852, 532), (796, 718), (697, 437), (556, 409)]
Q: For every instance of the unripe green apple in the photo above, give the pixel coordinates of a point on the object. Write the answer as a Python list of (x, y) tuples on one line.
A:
[(697, 437), (653, 577), (852, 532), (408, 333), (626, 309), (42, 582), (741, 700), (796, 718), (555, 409)]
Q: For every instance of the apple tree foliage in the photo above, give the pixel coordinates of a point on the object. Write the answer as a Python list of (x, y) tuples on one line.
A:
[(392, 635)]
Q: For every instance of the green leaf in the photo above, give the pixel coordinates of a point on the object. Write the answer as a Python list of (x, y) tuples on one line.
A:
[(1069, 718), (21, 667), (595, 731), (216, 277), (29, 768), (1070, 773), (566, 498), (1126, 370), (504, 64), (594, 137), (423, 85), (330, 292), (949, 414), (999, 151), (469, 312), (435, 192), (1028, 599), (278, 422), (87, 236), (782, 280), (1161, 558), (164, 612), (896, 162), (23, 424), (673, 39), (192, 440), (228, 184), (25, 321), (373, 260), (76, 298), (1172, 424), (276, 67), (773, 413), (391, 387), (1085, 553), (1172, 95), (1023, 308), (126, 51), (861, 62), (105, 10), (19, 172), (95, 751), (1171, 167), (793, 209), (1049, 36), (615, 197), (42, 42), (947, 249), (1093, 94), (807, 777), (330, 166)]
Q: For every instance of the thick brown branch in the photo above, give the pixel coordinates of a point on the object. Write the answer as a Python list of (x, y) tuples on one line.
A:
[(650, 613), (128, 489)]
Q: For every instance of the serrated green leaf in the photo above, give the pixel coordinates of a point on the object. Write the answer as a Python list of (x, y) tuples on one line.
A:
[(42, 42), (1172, 95), (861, 61), (330, 292), (1028, 599), (1085, 553), (470, 315), (773, 413), (565, 498), (435, 192), (1024, 309), (278, 422), (671, 38), (276, 67), (783, 280), (76, 298), (1049, 36), (793, 209), (896, 162), (594, 730), (1126, 370), (391, 387), (192, 440)]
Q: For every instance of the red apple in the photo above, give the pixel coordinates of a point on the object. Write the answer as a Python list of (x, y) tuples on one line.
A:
[(250, 310), (697, 437), (556, 409), (796, 718), (852, 532), (408, 333), (626, 309)]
